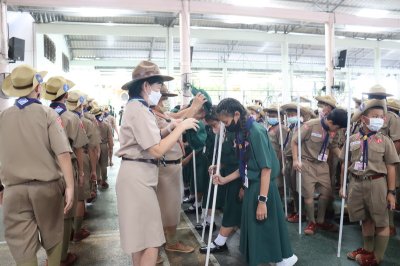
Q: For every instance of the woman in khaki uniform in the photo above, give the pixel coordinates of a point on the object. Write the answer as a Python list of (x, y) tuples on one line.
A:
[(56, 90), (170, 178), (372, 161), (139, 214), (27, 130), (106, 146)]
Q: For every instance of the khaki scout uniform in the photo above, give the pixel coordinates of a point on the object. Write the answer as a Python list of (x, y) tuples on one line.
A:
[(274, 136), (170, 179), (365, 197), (110, 120), (105, 136), (315, 170), (30, 140), (139, 213)]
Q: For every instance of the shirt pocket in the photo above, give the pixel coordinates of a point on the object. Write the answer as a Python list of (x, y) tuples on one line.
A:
[(317, 137), (376, 153), (355, 151)]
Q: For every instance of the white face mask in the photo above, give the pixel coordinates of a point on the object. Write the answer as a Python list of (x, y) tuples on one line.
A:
[(375, 124), (154, 97), (292, 120)]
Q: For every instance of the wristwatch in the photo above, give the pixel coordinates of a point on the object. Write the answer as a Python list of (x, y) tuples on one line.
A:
[(262, 198), (393, 192)]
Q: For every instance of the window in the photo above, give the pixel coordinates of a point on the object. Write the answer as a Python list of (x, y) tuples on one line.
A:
[(65, 63), (49, 49)]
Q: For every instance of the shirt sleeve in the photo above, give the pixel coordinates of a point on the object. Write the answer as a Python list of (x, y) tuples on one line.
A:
[(394, 127), (305, 132), (263, 151), (390, 156), (58, 139)]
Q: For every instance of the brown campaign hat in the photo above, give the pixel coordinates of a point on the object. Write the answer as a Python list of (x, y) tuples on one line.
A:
[(55, 87), (293, 106), (165, 92), (393, 104), (271, 108), (75, 100), (378, 90), (256, 108), (22, 81), (96, 111), (327, 99), (144, 70), (368, 105)]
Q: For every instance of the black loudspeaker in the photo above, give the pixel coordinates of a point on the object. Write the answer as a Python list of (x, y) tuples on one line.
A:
[(342, 59), (16, 50), (191, 53)]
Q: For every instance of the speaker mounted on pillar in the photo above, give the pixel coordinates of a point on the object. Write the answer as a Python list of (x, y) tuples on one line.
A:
[(16, 50), (341, 59)]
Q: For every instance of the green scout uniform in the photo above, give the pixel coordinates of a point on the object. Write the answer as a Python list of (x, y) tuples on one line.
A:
[(368, 185), (229, 164), (264, 241)]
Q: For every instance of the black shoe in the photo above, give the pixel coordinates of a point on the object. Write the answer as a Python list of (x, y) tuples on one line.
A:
[(186, 192), (188, 200), (192, 209), (199, 227), (215, 249)]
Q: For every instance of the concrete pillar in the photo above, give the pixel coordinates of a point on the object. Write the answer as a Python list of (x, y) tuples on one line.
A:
[(329, 48), (170, 52), (184, 20), (377, 64), (286, 79), (3, 38)]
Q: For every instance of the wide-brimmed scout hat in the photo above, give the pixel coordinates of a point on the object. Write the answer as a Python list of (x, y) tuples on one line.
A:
[(96, 111), (356, 100), (368, 105), (293, 106), (144, 70), (393, 104), (327, 99), (165, 92), (378, 90), (56, 87), (257, 108), (271, 108), (75, 99), (22, 81)]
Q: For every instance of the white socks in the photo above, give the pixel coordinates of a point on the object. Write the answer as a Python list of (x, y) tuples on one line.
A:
[(220, 240)]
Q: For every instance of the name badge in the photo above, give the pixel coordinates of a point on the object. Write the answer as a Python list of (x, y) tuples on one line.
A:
[(323, 157), (359, 166), (316, 134), (246, 180)]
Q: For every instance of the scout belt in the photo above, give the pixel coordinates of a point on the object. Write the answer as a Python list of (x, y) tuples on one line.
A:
[(371, 177), (151, 161), (173, 161)]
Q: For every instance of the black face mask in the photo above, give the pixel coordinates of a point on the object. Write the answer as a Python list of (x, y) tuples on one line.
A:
[(233, 127)]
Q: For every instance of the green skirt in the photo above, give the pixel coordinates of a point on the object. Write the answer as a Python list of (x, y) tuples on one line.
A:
[(202, 177), (264, 241), (233, 205)]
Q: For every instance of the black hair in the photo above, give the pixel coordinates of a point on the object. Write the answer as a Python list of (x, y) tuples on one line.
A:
[(373, 107), (135, 88), (228, 107), (59, 98), (212, 115), (338, 117)]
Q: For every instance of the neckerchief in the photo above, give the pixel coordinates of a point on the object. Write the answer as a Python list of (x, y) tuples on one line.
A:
[(78, 114), (365, 146), (99, 118), (326, 139), (271, 127), (241, 145), (288, 134), (23, 102), (140, 99), (58, 107)]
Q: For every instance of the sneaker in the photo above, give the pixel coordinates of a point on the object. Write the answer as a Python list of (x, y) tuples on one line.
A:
[(288, 261), (293, 218), (330, 227), (360, 251), (188, 200), (310, 229), (366, 259), (179, 247), (70, 260), (393, 231)]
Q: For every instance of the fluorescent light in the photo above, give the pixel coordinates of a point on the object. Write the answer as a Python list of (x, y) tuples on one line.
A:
[(364, 29), (99, 12), (251, 3), (245, 20), (372, 13)]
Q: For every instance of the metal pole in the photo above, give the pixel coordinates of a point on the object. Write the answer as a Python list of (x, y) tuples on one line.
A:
[(345, 170), (329, 46), (221, 139), (299, 155), (209, 189), (184, 20), (3, 38), (283, 159), (195, 186)]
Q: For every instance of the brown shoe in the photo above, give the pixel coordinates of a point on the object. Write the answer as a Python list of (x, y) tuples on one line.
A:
[(179, 247), (82, 234), (70, 260), (360, 251)]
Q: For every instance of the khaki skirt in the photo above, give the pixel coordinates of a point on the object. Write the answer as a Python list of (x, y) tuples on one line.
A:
[(169, 193), (139, 214)]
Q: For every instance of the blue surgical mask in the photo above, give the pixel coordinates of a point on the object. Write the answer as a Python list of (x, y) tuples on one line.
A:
[(375, 124), (292, 120), (272, 121)]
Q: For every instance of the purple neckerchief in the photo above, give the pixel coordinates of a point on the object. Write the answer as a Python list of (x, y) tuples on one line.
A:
[(58, 107), (242, 144), (78, 114), (365, 138), (140, 99), (99, 118), (23, 102), (326, 139)]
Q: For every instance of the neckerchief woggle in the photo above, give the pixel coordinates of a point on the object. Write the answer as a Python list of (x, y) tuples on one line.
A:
[(241, 144), (326, 139), (365, 147), (23, 102), (287, 135), (59, 108)]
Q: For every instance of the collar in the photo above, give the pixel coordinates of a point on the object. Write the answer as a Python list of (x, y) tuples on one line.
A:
[(23, 102), (60, 108)]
